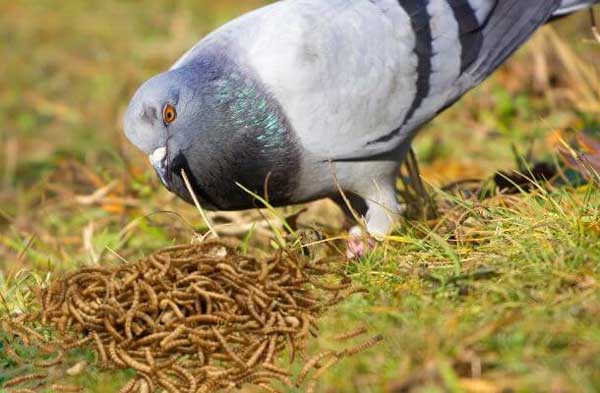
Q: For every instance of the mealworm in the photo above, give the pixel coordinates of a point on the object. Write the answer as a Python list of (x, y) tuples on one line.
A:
[(267, 388), (207, 387), (51, 362), (24, 379), (47, 296), (201, 332), (364, 346), (77, 344), (151, 294), (351, 334), (268, 375), (76, 314), (306, 300), (279, 330), (62, 324), (18, 329), (144, 387), (188, 376), (151, 339), (182, 298), (128, 322), (112, 352), (259, 301), (193, 277), (100, 349), (173, 335), (271, 349), (166, 383), (232, 317), (146, 384), (201, 357), (174, 315), (166, 266), (235, 285), (330, 363), (310, 364), (80, 304), (258, 292), (109, 309), (286, 295), (165, 364), (149, 357), (257, 354), (128, 387), (153, 259), (228, 350), (204, 344), (227, 268), (132, 363), (174, 249), (355, 291), (113, 302), (213, 295), (146, 318), (291, 346), (273, 368), (264, 271), (205, 319), (254, 313), (281, 280), (96, 288), (131, 279), (66, 388), (174, 344), (271, 321), (111, 330), (12, 354)]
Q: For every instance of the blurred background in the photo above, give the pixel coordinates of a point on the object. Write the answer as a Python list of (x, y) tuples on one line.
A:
[(73, 190)]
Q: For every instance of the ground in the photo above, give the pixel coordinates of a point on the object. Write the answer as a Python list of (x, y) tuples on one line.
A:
[(495, 294)]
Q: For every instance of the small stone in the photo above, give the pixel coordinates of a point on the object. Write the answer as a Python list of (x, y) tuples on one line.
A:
[(77, 369)]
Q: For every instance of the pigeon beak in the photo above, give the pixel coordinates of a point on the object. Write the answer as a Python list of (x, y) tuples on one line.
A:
[(159, 161)]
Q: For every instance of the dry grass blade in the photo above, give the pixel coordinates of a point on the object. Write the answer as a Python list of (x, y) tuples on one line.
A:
[(595, 31), (197, 203)]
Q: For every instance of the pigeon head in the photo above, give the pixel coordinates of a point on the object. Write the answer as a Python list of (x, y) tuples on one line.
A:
[(215, 122), (164, 120)]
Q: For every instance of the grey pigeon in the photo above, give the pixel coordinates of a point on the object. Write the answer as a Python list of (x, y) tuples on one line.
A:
[(285, 97)]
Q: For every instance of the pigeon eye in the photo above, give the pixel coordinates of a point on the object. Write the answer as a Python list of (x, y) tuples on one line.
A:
[(169, 114)]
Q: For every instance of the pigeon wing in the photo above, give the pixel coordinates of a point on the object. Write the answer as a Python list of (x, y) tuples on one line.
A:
[(489, 32)]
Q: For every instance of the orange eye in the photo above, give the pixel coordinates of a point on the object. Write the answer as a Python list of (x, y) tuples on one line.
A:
[(169, 114)]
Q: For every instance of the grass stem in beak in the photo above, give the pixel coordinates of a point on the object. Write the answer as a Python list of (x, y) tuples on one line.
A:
[(188, 185)]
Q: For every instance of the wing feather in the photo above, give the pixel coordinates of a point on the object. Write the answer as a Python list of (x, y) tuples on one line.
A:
[(494, 30)]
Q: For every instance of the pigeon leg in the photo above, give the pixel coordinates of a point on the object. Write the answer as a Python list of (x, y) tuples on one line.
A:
[(383, 211)]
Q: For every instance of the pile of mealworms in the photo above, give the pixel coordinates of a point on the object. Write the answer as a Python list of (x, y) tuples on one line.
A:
[(193, 318)]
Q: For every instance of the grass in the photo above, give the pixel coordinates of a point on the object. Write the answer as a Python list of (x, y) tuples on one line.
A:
[(498, 294)]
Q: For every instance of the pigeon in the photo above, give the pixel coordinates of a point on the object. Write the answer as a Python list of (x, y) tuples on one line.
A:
[(308, 99)]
